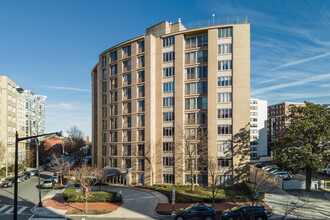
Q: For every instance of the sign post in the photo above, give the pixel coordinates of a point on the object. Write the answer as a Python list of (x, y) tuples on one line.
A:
[(173, 198)]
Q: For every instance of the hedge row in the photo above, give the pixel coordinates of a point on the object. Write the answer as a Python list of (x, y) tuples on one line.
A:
[(70, 195)]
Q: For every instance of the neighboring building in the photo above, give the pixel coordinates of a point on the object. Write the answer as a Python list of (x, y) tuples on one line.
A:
[(277, 121), (258, 128), (10, 107), (201, 76)]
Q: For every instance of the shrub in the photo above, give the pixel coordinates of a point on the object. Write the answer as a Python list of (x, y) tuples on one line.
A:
[(250, 188), (70, 195)]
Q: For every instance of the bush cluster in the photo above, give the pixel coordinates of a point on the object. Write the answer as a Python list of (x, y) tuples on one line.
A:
[(70, 195)]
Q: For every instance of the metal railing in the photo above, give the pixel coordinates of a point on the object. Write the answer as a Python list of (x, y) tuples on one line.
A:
[(217, 21)]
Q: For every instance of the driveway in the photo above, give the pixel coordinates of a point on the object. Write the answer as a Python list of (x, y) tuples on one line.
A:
[(137, 204)]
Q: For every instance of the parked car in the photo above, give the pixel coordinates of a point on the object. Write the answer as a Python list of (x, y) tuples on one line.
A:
[(195, 211), (55, 179), (42, 168), (245, 212), (33, 172), (326, 170), (7, 182), (284, 174), (20, 178), (48, 183), (27, 174), (273, 170)]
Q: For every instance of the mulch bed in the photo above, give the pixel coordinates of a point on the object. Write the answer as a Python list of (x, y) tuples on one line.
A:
[(167, 208)]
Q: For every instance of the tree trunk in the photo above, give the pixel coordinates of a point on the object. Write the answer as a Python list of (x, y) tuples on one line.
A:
[(192, 179), (308, 178)]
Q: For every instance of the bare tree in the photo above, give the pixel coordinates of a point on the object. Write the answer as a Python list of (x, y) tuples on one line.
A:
[(88, 176), (195, 150), (63, 166), (213, 172), (76, 141)]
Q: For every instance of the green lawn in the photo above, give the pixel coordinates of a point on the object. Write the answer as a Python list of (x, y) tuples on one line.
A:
[(243, 192)]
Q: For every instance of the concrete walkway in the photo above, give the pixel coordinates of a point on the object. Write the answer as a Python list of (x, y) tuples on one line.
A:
[(138, 203), (285, 204)]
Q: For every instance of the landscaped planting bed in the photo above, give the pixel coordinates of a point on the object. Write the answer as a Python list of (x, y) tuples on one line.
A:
[(70, 195)]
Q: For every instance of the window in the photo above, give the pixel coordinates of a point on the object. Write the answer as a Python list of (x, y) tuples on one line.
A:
[(104, 60), (126, 65), (196, 103), (104, 99), (253, 113), (104, 124), (104, 87), (168, 161), (168, 72), (140, 46), (199, 72), (168, 178), (225, 65), (127, 93), (113, 123), (196, 118), (140, 135), (114, 70), (196, 57), (168, 146), (127, 121), (140, 178), (127, 163), (168, 87), (225, 97), (196, 88), (141, 91), (141, 76), (113, 97), (168, 41), (127, 136), (126, 51), (225, 81), (104, 112), (168, 116), (140, 62), (141, 106), (225, 32), (104, 137), (225, 49), (225, 113), (167, 57), (141, 150), (224, 162), (127, 150), (127, 80), (197, 41), (113, 162), (224, 146), (113, 83), (140, 165), (225, 180), (168, 131), (127, 108), (104, 73), (140, 120), (113, 56), (169, 101), (253, 107), (113, 150), (224, 129)]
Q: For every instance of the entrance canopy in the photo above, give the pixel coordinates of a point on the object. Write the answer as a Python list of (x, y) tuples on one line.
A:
[(112, 171)]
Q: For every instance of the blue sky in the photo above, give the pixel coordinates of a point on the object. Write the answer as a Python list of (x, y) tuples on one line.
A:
[(50, 47)]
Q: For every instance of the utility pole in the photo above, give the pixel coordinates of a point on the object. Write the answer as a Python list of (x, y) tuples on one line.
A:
[(39, 186)]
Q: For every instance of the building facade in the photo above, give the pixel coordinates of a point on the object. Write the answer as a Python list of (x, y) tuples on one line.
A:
[(149, 92), (277, 120), (258, 128)]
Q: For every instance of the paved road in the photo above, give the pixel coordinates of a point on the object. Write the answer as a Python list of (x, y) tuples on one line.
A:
[(27, 197)]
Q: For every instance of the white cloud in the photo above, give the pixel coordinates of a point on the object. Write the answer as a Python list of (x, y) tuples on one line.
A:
[(67, 88), (291, 84)]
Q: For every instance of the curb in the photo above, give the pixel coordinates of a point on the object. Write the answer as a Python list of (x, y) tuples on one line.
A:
[(162, 216), (53, 215)]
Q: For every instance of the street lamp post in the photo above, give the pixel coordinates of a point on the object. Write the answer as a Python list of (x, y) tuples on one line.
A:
[(63, 134)]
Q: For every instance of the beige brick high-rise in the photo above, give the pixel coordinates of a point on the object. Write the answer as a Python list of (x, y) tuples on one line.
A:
[(149, 90)]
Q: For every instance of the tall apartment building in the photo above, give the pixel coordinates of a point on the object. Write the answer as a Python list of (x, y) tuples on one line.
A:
[(277, 120), (174, 80), (258, 128), (10, 108)]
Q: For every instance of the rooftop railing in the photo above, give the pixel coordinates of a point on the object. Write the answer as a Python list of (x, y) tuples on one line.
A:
[(216, 21)]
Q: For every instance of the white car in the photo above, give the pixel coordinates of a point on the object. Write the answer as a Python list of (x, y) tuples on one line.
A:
[(283, 174), (326, 170)]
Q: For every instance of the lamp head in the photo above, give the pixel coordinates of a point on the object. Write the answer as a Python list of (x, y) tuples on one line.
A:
[(62, 134)]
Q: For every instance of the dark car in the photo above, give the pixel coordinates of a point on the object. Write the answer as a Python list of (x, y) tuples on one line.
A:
[(33, 172), (7, 182), (20, 178), (257, 212), (260, 165), (27, 174), (42, 168), (196, 211)]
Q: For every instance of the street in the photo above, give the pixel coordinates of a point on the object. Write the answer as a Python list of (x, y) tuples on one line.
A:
[(27, 197)]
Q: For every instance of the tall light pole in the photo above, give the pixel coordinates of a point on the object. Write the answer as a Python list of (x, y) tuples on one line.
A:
[(62, 134)]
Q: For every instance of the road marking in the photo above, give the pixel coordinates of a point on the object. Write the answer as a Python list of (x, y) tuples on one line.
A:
[(9, 210), (21, 210), (4, 207), (31, 217)]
